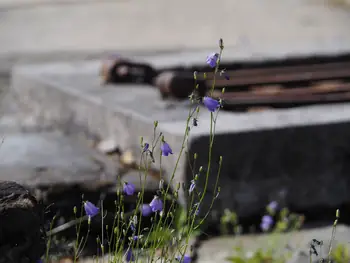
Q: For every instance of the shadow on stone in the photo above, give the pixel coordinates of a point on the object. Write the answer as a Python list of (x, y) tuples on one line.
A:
[(303, 168), (22, 235)]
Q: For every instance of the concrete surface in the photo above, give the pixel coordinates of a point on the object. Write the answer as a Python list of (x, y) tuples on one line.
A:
[(219, 248), (297, 243), (70, 97), (49, 158), (251, 28)]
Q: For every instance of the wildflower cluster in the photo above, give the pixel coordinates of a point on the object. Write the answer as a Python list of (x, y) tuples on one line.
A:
[(285, 220), (171, 225), (275, 221)]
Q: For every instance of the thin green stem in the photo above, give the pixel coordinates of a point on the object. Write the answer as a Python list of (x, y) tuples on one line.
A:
[(49, 241), (333, 236)]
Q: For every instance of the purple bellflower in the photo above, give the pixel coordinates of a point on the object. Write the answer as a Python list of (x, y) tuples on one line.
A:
[(185, 259), (145, 147), (212, 59), (132, 227), (90, 209), (192, 186), (166, 150), (129, 188), (129, 256), (272, 206), (266, 222), (196, 209), (156, 204), (211, 104), (223, 73), (146, 209)]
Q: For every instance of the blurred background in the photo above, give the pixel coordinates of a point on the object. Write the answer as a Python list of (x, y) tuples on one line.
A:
[(61, 28), (283, 154)]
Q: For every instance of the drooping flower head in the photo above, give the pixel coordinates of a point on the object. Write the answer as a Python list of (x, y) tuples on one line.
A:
[(90, 209), (135, 238), (129, 256), (224, 74), (211, 104), (185, 259), (156, 204), (272, 207), (165, 148), (129, 188), (192, 186), (146, 210), (196, 209), (266, 222), (132, 227), (145, 147), (212, 59)]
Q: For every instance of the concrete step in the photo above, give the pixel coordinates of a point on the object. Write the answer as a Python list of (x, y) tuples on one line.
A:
[(294, 246), (267, 154), (49, 158)]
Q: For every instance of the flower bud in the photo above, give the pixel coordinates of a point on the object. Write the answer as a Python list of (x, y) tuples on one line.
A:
[(161, 183), (135, 219), (178, 186), (221, 43)]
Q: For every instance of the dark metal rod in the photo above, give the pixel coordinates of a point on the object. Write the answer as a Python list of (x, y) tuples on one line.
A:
[(290, 77), (317, 89), (271, 100)]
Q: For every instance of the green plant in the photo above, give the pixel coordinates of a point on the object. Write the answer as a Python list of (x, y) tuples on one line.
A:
[(286, 222), (257, 256), (341, 254), (229, 223), (171, 226)]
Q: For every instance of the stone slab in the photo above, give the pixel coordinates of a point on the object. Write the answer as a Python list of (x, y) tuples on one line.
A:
[(49, 158), (251, 28), (301, 152), (217, 249)]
